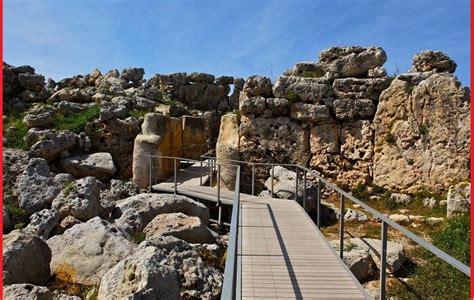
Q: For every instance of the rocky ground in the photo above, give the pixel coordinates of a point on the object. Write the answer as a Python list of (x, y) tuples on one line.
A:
[(76, 224)]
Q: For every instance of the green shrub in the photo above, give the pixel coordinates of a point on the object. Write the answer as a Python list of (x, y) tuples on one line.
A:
[(423, 129), (75, 122), (390, 138), (136, 113), (14, 132), (313, 74), (18, 216), (139, 237), (292, 97), (436, 279)]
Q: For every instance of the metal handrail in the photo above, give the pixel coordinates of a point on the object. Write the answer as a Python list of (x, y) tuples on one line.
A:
[(232, 284), (344, 195)]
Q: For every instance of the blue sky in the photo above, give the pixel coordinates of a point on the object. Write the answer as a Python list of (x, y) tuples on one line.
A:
[(61, 38)]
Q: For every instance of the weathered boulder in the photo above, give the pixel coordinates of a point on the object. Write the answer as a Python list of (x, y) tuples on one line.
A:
[(134, 213), (42, 223), (400, 198), (119, 190), (190, 229), (353, 215), (225, 79), (48, 144), (26, 291), (306, 112), (251, 106), (80, 199), (304, 89), (459, 199), (72, 95), (14, 163), (285, 140), (360, 88), (132, 74), (110, 110), (36, 188), (358, 259), (197, 277), (88, 250), (99, 165), (26, 259), (227, 149), (278, 106), (142, 103), (258, 86), (140, 276), (200, 77), (433, 60), (400, 219), (116, 137), (38, 118), (422, 134), (351, 61), (354, 109), (5, 220)]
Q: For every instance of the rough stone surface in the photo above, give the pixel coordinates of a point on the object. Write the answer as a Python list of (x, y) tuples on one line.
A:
[(433, 60), (258, 86), (36, 187), (99, 165), (26, 259), (88, 250), (80, 199), (227, 149), (190, 229), (312, 90), (400, 198), (422, 134), (24, 291), (119, 190), (51, 143), (306, 112), (140, 276), (459, 199), (351, 61), (42, 223), (134, 213)]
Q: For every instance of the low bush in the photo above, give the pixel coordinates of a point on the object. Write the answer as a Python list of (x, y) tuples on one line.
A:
[(75, 122)]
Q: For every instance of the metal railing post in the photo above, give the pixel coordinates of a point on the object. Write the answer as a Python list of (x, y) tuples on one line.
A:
[(253, 179), (200, 171), (318, 203), (219, 184), (175, 177), (296, 189), (341, 228), (149, 179), (211, 161), (304, 190), (383, 260), (273, 173)]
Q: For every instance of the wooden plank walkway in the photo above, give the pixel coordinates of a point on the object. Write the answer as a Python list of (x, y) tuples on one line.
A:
[(283, 254)]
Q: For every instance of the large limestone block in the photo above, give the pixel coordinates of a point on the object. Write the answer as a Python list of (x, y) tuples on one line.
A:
[(227, 149), (459, 199), (99, 165), (306, 89), (422, 134), (195, 134)]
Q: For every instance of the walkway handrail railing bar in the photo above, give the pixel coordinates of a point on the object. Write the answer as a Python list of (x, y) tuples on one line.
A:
[(230, 285)]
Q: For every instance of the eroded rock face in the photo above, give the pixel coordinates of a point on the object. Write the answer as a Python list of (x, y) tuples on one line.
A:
[(302, 88), (88, 250), (36, 186), (139, 276), (42, 223), (422, 134), (50, 143), (26, 259), (459, 199), (99, 165), (351, 61), (80, 199), (134, 213), (433, 60), (26, 291), (179, 225), (227, 149)]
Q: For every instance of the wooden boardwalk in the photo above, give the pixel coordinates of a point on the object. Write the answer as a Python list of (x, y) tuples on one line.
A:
[(282, 253)]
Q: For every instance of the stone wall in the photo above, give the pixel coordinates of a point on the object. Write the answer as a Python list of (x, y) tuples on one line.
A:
[(336, 115), (165, 136)]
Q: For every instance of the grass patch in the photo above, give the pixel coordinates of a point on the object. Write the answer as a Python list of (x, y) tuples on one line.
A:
[(313, 74), (136, 113), (390, 138), (75, 122), (423, 129), (292, 97), (139, 237), (436, 279), (18, 216), (14, 132)]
